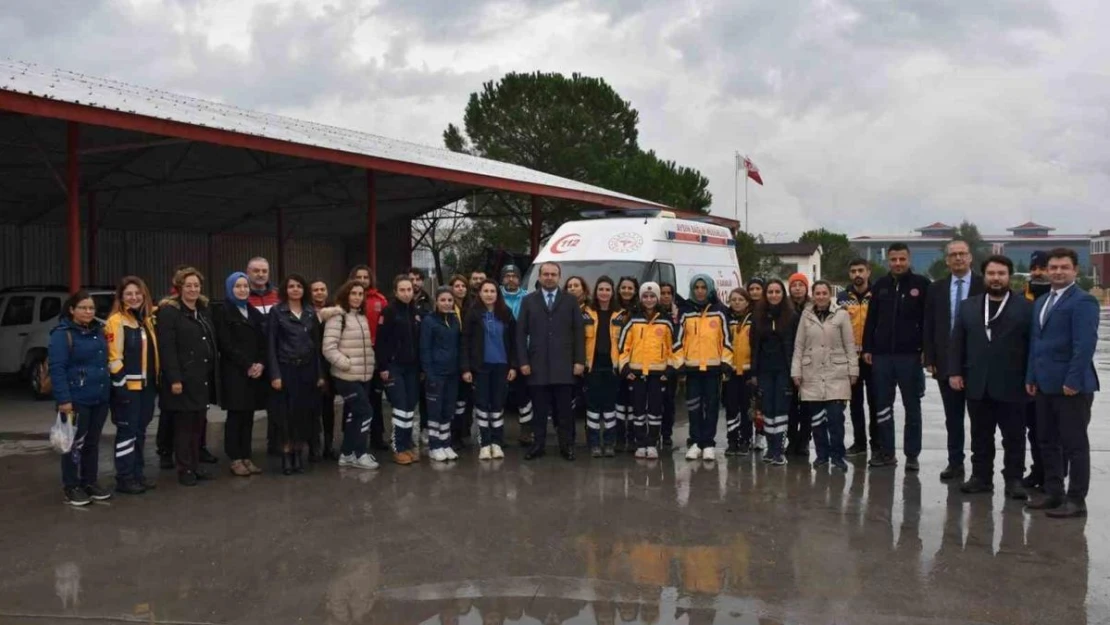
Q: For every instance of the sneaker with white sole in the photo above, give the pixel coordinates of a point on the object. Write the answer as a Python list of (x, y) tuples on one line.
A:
[(496, 452), (652, 453), (437, 455), (366, 461), (693, 453), (347, 460), (450, 453), (709, 453), (641, 452), (760, 442), (485, 453)]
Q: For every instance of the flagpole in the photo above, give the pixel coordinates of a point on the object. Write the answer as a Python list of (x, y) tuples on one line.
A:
[(747, 227), (736, 186)]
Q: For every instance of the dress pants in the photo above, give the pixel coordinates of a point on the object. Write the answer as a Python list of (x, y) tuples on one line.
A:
[(238, 430), (954, 405), (1008, 417), (1036, 469), (552, 400), (1066, 451), (188, 429)]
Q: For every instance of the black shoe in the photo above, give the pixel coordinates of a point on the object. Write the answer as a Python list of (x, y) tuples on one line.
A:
[(380, 445), (527, 439), (330, 454), (1033, 482), (667, 444), (76, 496), (96, 493), (206, 456), (567, 453), (298, 462), (534, 454), (1044, 503), (188, 478), (976, 485), (840, 465), (733, 449), (1016, 491), (857, 449), (165, 461), (595, 452), (882, 460), (148, 483), (912, 464), (287, 464), (204, 476), (745, 448), (608, 451), (820, 464), (951, 472), (130, 487), (1070, 510)]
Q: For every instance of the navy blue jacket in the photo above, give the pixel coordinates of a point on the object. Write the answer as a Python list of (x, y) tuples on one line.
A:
[(1062, 352), (896, 316), (440, 341), (79, 374)]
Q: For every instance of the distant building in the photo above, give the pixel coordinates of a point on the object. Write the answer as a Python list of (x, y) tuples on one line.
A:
[(928, 245), (1100, 258), (796, 257)]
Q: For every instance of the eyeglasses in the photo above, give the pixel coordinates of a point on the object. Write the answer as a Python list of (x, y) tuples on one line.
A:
[(958, 254)]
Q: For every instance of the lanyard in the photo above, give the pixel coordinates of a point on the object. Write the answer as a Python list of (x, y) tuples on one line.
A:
[(987, 319)]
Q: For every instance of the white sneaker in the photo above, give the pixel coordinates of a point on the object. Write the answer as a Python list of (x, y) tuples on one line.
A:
[(497, 452), (693, 453), (760, 442), (366, 461), (437, 455), (641, 452), (347, 460), (485, 453), (652, 453), (709, 453), (450, 454)]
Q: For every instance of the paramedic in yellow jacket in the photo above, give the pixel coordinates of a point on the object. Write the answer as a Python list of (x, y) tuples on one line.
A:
[(647, 360), (738, 421), (601, 375), (856, 299), (627, 298), (134, 367), (704, 351)]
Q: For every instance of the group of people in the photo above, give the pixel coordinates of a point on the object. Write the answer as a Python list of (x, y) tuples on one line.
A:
[(785, 359)]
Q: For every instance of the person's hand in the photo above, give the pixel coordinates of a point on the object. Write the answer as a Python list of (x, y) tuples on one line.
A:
[(176, 388), (384, 375), (65, 408), (579, 370), (797, 381), (276, 384), (512, 375), (631, 377), (662, 378), (1070, 391), (956, 382), (931, 369), (852, 379), (320, 383), (1031, 390), (468, 377), (867, 358), (526, 370)]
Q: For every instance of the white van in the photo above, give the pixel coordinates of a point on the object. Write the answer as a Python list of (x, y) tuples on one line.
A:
[(658, 248)]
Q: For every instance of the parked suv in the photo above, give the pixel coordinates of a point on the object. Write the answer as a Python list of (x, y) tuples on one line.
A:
[(27, 315)]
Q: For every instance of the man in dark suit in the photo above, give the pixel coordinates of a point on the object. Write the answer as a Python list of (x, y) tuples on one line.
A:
[(551, 342), (987, 357), (945, 297), (1062, 377)]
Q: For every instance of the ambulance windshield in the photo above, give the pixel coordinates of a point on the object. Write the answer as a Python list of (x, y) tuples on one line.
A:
[(591, 270)]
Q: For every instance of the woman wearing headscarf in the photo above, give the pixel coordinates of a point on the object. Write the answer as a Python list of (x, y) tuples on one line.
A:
[(243, 390)]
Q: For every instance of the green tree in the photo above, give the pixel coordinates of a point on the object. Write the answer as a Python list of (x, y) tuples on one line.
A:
[(576, 127), (754, 262), (836, 253), (980, 249)]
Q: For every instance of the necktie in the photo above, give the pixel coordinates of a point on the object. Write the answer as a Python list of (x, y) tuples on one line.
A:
[(1048, 306), (550, 300), (956, 304)]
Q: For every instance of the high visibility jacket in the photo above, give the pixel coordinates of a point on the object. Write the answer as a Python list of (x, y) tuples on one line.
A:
[(647, 345), (130, 345), (857, 306), (740, 331), (590, 322), (703, 340)]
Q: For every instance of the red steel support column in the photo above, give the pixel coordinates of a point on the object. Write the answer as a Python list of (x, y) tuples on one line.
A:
[(73, 214), (280, 243), (371, 220), (537, 221), (91, 233)]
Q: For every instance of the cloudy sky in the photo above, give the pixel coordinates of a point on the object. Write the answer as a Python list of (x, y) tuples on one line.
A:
[(865, 116)]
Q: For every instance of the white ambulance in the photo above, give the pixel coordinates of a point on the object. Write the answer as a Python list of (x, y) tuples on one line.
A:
[(660, 248)]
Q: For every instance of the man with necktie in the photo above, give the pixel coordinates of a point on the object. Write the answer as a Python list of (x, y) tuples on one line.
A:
[(941, 306), (1061, 376)]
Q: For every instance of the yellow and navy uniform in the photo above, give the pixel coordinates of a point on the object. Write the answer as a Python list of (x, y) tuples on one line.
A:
[(703, 342), (590, 323), (131, 346), (647, 345), (739, 328), (856, 305)]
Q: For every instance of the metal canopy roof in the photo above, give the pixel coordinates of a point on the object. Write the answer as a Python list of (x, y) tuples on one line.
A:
[(155, 159)]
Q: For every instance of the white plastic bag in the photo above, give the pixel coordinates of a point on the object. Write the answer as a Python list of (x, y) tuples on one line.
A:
[(63, 432)]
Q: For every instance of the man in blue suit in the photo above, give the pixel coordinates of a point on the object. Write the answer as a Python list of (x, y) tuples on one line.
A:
[(1061, 375)]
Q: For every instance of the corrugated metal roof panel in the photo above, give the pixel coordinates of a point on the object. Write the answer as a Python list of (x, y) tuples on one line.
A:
[(76, 88)]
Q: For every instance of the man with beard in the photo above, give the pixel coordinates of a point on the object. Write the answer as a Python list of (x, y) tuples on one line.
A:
[(987, 357), (476, 279), (420, 297), (519, 396), (856, 299)]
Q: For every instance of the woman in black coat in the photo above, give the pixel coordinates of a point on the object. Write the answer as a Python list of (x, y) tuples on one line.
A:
[(243, 389), (295, 369), (187, 342)]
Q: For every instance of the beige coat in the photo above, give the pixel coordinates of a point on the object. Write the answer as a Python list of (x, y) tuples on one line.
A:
[(825, 355), (348, 347)]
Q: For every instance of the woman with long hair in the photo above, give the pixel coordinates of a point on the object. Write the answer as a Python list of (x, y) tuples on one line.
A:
[(464, 397), (577, 287), (78, 355), (350, 350), (772, 343), (133, 364), (398, 363), (440, 342), (295, 370), (489, 363), (601, 377), (324, 426), (627, 298), (241, 337), (738, 423), (755, 291), (187, 343)]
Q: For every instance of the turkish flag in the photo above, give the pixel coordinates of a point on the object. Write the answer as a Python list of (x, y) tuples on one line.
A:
[(753, 171)]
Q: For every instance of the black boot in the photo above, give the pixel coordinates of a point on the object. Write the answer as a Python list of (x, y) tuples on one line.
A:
[(298, 461), (287, 463)]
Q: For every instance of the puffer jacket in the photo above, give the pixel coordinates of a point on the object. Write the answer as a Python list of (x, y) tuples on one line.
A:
[(349, 348), (825, 355), (78, 357)]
